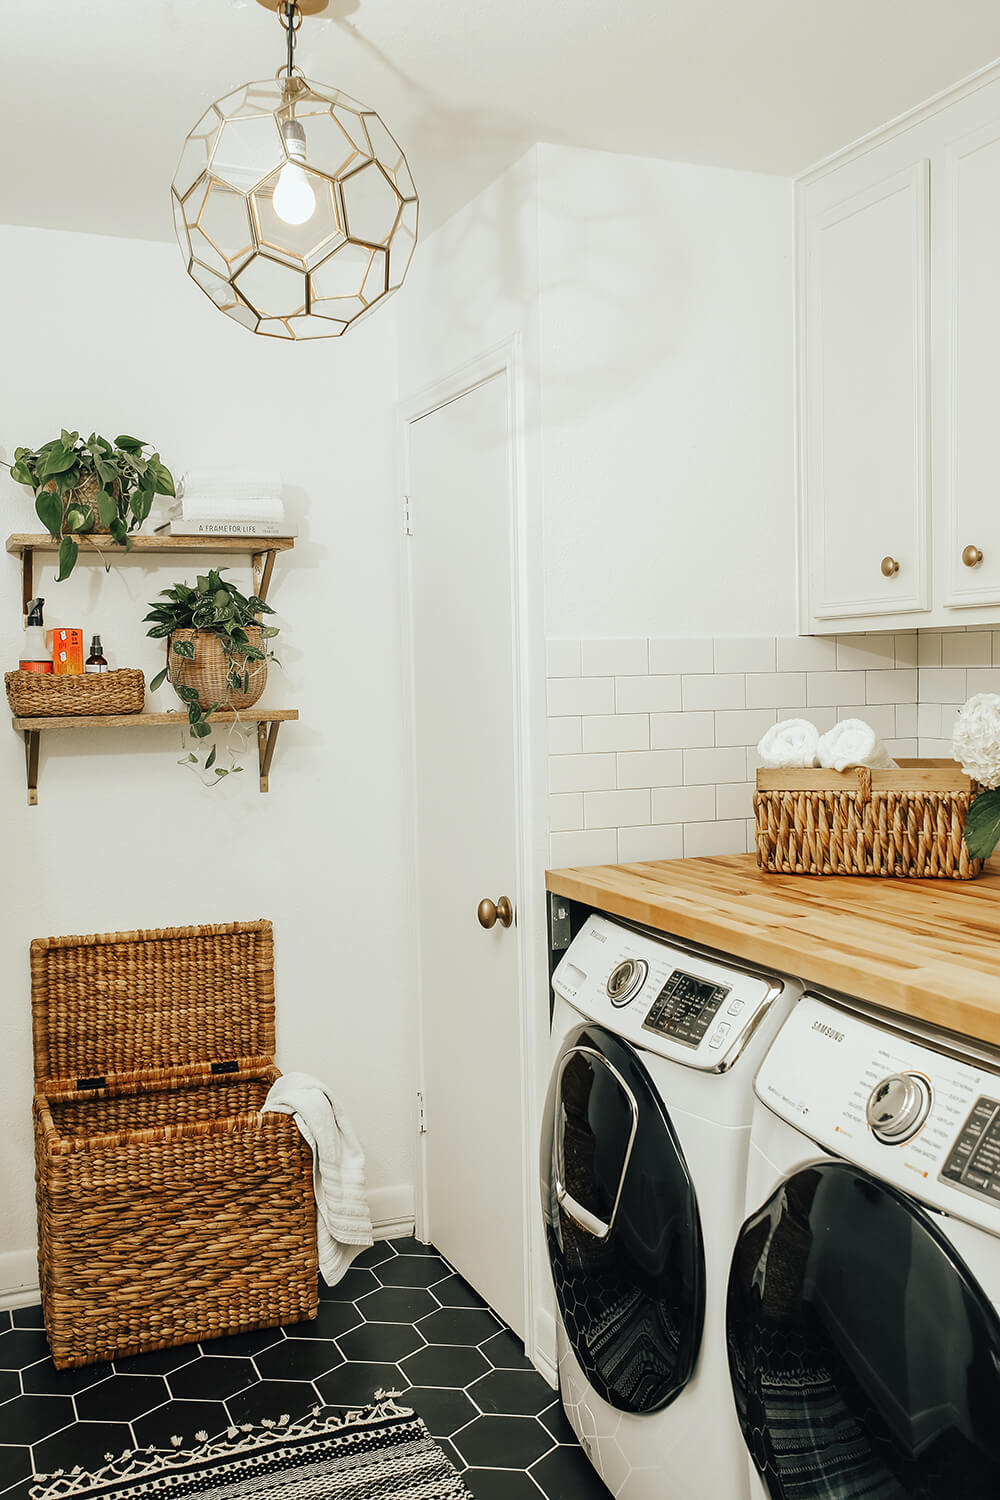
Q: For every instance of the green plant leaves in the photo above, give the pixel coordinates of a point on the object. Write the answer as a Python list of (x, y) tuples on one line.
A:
[(48, 507), (982, 825), (184, 649), (158, 680), (68, 550), (107, 507), (129, 444)]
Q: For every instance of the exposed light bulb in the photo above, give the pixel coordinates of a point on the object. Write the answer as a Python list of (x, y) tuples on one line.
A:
[(294, 200)]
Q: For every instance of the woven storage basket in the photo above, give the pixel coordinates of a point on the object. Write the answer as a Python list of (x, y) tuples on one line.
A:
[(908, 822), (169, 1209), (48, 695), (208, 671)]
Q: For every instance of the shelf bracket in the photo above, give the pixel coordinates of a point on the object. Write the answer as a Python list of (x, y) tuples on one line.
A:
[(27, 578), (263, 567), (32, 738), (267, 735)]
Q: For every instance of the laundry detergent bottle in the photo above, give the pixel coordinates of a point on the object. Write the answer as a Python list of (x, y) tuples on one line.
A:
[(35, 657)]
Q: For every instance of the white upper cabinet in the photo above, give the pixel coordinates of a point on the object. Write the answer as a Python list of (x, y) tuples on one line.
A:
[(899, 374)]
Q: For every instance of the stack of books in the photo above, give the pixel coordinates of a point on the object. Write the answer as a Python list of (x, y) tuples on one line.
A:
[(226, 502)]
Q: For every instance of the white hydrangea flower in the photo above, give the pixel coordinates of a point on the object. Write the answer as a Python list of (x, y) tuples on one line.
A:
[(975, 741)]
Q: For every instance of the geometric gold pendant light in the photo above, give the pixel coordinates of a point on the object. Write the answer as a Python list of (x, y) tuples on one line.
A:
[(293, 205)]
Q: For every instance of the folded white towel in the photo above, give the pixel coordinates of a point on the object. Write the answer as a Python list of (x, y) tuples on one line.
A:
[(852, 742), (343, 1219), (789, 744)]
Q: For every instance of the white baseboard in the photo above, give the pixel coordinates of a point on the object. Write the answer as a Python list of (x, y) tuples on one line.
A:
[(543, 1355), (392, 1217)]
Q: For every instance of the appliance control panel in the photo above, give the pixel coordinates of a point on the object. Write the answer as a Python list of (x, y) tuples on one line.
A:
[(921, 1119), (685, 1005)]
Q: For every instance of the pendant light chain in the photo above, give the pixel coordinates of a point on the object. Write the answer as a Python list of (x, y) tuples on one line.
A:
[(291, 19)]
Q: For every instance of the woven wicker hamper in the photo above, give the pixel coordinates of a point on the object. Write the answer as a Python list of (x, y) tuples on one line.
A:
[(907, 822), (169, 1209)]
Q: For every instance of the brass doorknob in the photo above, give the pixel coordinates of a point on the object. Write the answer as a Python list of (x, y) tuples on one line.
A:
[(972, 556), (489, 914), (889, 566)]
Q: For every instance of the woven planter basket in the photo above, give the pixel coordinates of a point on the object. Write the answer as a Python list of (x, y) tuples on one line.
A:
[(34, 695), (908, 822), (169, 1209), (210, 667)]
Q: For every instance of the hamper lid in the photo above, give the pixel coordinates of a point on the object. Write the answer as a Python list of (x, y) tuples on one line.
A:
[(120, 1002)]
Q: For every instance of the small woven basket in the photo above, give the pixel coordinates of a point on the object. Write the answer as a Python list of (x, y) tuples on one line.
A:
[(209, 671), (34, 695), (169, 1208), (907, 822)]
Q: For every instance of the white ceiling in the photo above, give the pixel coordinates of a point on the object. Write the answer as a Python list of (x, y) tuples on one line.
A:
[(97, 95)]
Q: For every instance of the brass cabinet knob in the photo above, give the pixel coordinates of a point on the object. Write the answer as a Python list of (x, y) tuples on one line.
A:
[(889, 567), (489, 914), (971, 556)]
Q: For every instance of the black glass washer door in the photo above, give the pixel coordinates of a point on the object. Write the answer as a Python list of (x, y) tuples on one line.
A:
[(865, 1358), (622, 1225)]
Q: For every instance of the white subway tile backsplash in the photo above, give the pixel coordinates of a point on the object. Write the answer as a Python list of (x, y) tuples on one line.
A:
[(616, 732), (565, 736), (682, 654), (744, 653), (653, 742), (582, 773), (703, 766), (865, 652), (614, 658), (615, 809), (565, 811), (743, 726), (591, 846), (824, 688), (735, 800), (714, 838), (651, 768), (682, 731), (807, 653), (968, 648), (643, 695), (684, 804), (562, 658), (581, 695), (770, 689), (896, 685), (941, 685), (715, 690), (658, 841)]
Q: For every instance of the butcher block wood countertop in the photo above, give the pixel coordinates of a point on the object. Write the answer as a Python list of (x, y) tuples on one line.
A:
[(924, 948)]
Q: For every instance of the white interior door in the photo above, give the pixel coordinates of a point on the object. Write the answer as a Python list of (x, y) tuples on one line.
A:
[(461, 567)]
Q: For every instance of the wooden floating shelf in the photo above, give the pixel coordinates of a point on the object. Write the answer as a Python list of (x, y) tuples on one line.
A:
[(262, 549), (267, 720)]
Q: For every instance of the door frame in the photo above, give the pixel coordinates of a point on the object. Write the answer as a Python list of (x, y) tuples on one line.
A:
[(531, 811)]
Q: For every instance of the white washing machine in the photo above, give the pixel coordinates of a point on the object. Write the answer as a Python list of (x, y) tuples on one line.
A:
[(864, 1338), (644, 1150)]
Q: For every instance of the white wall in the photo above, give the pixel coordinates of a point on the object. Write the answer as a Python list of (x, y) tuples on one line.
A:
[(110, 334), (666, 347)]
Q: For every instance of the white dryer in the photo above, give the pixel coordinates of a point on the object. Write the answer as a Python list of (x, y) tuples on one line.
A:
[(864, 1338), (643, 1160)]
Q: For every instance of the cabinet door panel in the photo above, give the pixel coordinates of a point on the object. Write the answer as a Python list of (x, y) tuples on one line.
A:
[(970, 331), (865, 399)]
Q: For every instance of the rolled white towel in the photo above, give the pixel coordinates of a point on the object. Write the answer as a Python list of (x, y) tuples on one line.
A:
[(852, 742), (790, 744)]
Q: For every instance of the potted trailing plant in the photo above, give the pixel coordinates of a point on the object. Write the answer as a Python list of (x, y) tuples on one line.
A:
[(217, 653), (86, 487)]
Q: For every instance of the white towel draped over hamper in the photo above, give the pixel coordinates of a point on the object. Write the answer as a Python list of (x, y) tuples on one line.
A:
[(343, 1218)]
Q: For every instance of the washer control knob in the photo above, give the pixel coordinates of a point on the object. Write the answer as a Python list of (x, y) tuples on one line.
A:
[(897, 1107), (626, 980)]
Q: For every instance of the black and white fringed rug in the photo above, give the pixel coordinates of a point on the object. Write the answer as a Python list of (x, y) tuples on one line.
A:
[(381, 1452)]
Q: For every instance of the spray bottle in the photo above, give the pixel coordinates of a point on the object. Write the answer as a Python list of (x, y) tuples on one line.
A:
[(35, 656)]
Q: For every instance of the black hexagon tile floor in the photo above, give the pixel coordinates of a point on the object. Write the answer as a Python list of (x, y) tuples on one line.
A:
[(400, 1320)]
